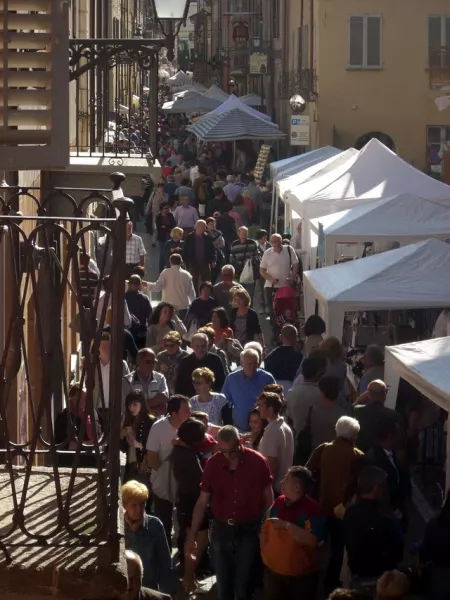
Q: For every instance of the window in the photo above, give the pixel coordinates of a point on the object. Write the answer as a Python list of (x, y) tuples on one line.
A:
[(303, 40), (438, 31), (439, 41), (438, 142), (365, 42)]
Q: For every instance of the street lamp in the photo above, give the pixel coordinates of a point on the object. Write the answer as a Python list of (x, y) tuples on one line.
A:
[(173, 13)]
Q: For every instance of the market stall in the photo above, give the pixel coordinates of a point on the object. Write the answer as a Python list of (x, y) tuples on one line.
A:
[(237, 123), (415, 276), (295, 164), (233, 102), (425, 365), (374, 172), (180, 79), (252, 100), (401, 219), (192, 103), (217, 93)]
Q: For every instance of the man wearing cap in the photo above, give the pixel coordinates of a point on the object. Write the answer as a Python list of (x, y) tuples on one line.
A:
[(370, 411)]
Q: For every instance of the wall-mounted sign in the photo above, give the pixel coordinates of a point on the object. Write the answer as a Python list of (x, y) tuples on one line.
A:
[(300, 130), (258, 63), (241, 32)]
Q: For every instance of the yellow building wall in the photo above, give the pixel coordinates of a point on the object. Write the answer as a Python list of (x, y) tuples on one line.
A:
[(396, 99)]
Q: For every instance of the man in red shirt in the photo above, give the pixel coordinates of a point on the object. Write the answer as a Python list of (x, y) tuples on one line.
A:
[(238, 485)]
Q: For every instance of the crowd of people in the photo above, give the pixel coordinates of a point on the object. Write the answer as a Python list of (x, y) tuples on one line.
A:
[(249, 455)]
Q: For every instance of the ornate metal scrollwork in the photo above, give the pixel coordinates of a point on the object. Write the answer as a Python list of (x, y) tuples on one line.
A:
[(116, 161), (97, 51)]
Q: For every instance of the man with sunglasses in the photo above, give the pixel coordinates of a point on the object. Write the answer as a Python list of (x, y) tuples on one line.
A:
[(237, 484), (148, 381)]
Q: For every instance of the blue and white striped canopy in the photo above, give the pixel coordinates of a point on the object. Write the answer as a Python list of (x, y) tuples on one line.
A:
[(235, 125)]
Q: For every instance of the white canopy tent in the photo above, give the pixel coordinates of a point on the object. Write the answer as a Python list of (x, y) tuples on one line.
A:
[(415, 276), (375, 172), (402, 218), (252, 100), (193, 103), (180, 79), (314, 169), (231, 103), (425, 365), (217, 93), (286, 166)]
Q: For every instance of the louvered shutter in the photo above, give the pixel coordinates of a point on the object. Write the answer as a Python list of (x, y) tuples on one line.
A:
[(34, 84)]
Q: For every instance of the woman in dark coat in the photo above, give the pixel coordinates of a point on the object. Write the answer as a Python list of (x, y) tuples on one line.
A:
[(136, 426)]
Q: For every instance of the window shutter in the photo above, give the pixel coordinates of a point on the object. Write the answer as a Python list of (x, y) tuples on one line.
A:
[(356, 54), (373, 41), (34, 84)]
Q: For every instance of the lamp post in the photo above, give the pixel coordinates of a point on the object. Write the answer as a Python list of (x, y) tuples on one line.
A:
[(170, 15)]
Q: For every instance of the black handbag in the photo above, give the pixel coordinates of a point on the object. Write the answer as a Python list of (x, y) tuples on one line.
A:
[(303, 446)]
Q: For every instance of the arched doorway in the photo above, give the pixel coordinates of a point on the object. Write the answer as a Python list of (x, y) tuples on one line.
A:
[(378, 135)]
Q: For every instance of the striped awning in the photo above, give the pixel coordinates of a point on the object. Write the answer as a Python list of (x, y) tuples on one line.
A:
[(235, 125)]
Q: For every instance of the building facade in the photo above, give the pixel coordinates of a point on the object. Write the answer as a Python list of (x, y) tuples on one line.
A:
[(370, 69)]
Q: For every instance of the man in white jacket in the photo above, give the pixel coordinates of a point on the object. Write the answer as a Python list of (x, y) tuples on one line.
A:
[(176, 286)]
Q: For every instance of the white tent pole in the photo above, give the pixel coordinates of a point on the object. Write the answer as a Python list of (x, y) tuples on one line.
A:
[(277, 209), (272, 206)]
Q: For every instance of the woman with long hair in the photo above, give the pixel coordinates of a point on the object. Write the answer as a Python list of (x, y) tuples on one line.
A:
[(313, 329), (164, 319), (221, 325), (136, 426), (257, 426)]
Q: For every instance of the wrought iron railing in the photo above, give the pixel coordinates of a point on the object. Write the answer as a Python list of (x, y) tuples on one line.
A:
[(303, 82), (439, 67), (43, 256), (116, 95)]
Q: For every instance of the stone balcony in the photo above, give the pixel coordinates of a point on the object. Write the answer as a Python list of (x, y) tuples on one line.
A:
[(36, 563)]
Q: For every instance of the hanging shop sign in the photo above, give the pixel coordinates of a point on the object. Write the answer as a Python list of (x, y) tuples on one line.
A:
[(300, 128), (241, 32)]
